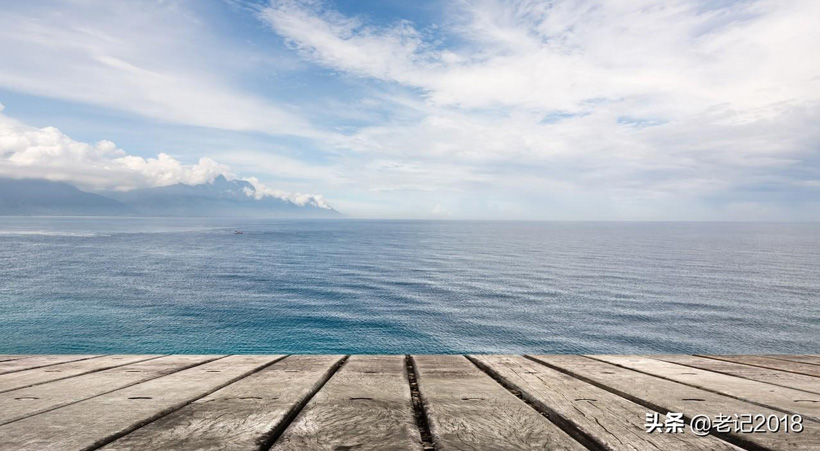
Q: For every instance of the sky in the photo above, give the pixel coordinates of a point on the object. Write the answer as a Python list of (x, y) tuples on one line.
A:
[(523, 109)]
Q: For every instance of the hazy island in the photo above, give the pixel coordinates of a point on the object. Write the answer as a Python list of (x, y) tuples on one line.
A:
[(220, 198)]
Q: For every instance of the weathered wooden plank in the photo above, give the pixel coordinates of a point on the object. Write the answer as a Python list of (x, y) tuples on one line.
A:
[(99, 420), (240, 416), (468, 410), (785, 399), (36, 376), (7, 357), (664, 395), (755, 373), (39, 361), (25, 402), (807, 369), (608, 420), (805, 358), (366, 405)]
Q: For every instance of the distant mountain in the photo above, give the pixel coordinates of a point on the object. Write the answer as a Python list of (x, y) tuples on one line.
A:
[(221, 198), (44, 197)]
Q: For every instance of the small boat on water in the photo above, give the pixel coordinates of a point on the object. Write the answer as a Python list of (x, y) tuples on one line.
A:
[(237, 232)]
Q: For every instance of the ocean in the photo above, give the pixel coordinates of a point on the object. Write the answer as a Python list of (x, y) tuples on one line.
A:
[(164, 285)]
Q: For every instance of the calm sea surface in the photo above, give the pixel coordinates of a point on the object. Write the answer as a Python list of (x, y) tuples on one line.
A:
[(96, 285)]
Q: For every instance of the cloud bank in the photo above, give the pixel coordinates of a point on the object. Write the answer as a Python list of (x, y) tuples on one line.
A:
[(677, 57), (47, 153), (155, 59), (570, 109), (627, 102)]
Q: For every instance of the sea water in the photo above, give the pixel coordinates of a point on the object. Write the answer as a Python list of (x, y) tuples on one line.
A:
[(165, 285)]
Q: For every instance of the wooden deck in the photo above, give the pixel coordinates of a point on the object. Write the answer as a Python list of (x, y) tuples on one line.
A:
[(425, 402)]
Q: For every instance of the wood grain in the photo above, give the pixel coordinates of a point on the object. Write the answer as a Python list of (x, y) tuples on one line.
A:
[(240, 416), (25, 402), (39, 361), (806, 358), (610, 421), (755, 373), (7, 357), (804, 368), (303, 403), (36, 376), (782, 398), (664, 395), (366, 405), (468, 410), (96, 421)]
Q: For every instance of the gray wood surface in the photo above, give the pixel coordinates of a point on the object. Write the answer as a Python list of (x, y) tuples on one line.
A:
[(25, 402), (806, 358), (96, 421), (468, 410), (756, 373), (610, 421), (74, 402), (39, 361), (35, 376), (664, 395), (240, 416), (366, 405), (807, 369), (785, 399), (7, 357)]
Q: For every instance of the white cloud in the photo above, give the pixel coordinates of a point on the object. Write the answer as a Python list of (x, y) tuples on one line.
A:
[(261, 191), (570, 109), (393, 53), (154, 59), (27, 151), (439, 210), (626, 103), (677, 57), (31, 152)]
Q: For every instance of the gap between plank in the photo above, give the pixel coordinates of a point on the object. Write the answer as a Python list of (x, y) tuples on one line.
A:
[(744, 377), (279, 429), (757, 365), (733, 439), (783, 358), (707, 389), (112, 391), (50, 364), (584, 439), (80, 374), (427, 443), (104, 441), (9, 359)]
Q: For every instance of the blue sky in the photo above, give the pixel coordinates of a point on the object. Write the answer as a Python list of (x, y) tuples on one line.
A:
[(569, 109)]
